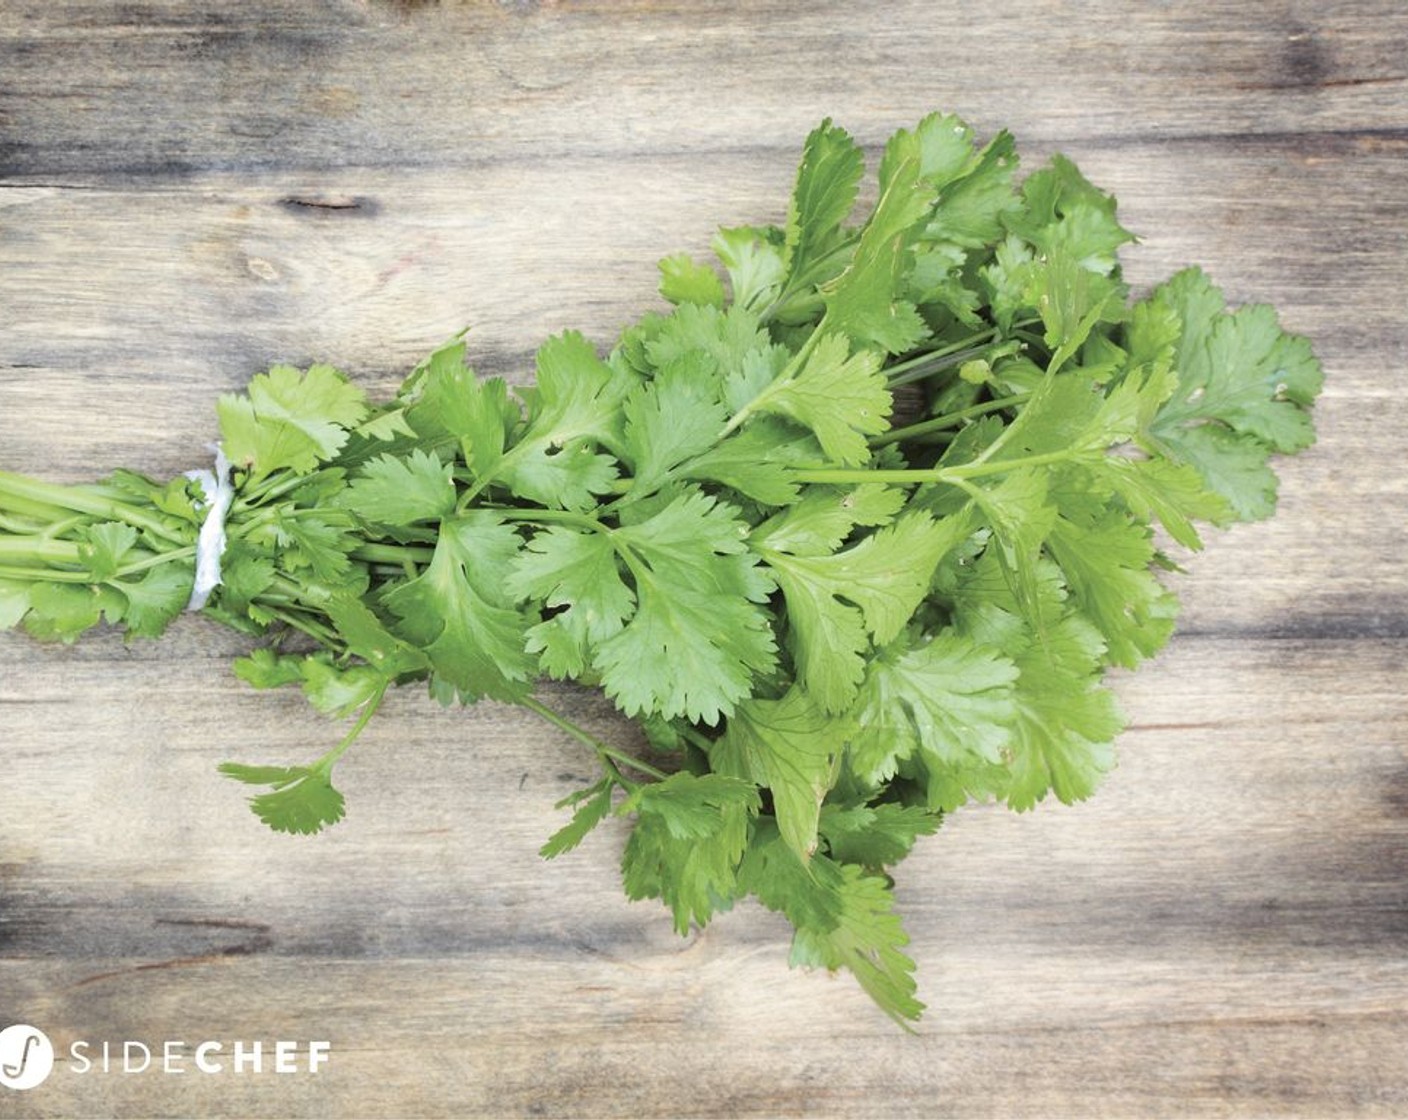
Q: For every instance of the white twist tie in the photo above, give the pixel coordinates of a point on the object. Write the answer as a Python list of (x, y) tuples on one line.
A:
[(210, 545)]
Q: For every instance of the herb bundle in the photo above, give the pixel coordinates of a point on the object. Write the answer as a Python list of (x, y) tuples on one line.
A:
[(835, 623)]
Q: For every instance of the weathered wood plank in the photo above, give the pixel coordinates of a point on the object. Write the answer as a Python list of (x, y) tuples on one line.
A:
[(1220, 932), (278, 84)]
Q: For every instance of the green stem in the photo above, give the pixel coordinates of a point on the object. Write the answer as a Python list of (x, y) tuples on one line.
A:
[(949, 420), (394, 554), (157, 560), (945, 475), (52, 575), (315, 630), (608, 755), (38, 550), (369, 709), (552, 516), (75, 499)]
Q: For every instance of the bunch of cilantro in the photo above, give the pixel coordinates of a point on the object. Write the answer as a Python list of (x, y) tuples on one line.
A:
[(854, 530)]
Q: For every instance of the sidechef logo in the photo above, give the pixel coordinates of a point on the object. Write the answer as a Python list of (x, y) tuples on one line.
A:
[(27, 1057)]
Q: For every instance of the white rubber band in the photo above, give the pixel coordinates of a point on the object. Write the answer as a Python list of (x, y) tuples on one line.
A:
[(210, 545)]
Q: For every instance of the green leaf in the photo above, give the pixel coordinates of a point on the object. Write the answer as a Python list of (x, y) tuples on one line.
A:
[(593, 807), (1106, 559), (290, 419), (944, 699), (303, 801), (828, 180), (575, 406), (757, 461), (63, 611), (369, 638), (941, 145), (754, 263), (841, 397), (14, 602), (971, 210), (882, 580), (792, 747), (576, 576), (340, 691), (393, 490), (157, 598), (1244, 390), (825, 516), (868, 939), (698, 636), (104, 547), (877, 835), (1175, 493), (1066, 723), (689, 837), (264, 668), (683, 280), (675, 417), (1064, 210), (1021, 517), (864, 301), (454, 402), (460, 611)]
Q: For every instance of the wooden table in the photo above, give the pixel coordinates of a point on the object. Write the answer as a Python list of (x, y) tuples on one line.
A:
[(191, 191)]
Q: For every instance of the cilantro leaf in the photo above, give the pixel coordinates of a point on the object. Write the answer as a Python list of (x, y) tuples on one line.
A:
[(689, 837), (1244, 388), (460, 612), (828, 180), (840, 396), (684, 280), (392, 490), (699, 635), (303, 800), (875, 836), (574, 407), (593, 805), (579, 573), (753, 259), (290, 419), (944, 699), (672, 418), (882, 580), (792, 747), (864, 301), (869, 940)]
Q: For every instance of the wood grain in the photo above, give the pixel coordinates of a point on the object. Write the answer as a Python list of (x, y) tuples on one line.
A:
[(190, 191)]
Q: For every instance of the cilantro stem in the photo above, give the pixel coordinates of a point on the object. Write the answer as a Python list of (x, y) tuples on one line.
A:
[(38, 550), (53, 575), (395, 554), (369, 709), (549, 516), (77, 499), (952, 419), (945, 357), (315, 630), (608, 755), (946, 475)]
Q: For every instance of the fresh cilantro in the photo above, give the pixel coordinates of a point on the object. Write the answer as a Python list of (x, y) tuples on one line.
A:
[(854, 526)]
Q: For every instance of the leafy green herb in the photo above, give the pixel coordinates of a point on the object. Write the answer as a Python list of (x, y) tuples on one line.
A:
[(839, 610)]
